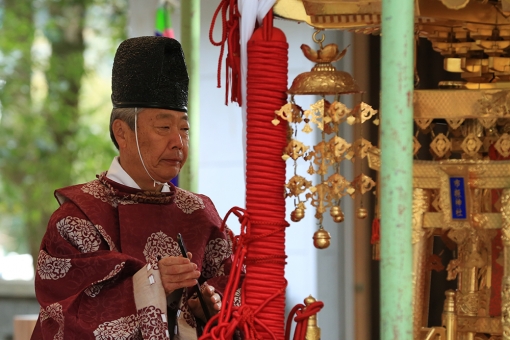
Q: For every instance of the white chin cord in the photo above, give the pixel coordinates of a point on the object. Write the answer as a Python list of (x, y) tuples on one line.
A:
[(140, 154)]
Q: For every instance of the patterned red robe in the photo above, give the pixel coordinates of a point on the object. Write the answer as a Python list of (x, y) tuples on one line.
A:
[(97, 275)]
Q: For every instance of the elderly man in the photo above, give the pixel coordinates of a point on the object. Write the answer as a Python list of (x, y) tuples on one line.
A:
[(110, 266)]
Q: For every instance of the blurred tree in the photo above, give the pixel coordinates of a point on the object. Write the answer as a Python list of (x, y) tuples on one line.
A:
[(44, 132)]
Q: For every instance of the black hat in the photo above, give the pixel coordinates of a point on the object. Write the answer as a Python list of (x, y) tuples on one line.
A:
[(150, 72)]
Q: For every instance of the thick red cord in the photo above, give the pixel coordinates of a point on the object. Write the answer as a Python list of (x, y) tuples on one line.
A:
[(264, 283), (223, 325), (230, 36), (261, 244)]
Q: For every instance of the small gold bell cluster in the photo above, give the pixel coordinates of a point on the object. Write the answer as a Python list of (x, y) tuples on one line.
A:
[(337, 214), (325, 159)]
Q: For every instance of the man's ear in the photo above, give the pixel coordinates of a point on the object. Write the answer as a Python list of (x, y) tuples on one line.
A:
[(120, 129)]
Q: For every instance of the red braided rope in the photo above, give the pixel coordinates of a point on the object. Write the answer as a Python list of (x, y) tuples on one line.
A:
[(230, 318), (264, 283), (261, 244), (302, 314), (230, 36)]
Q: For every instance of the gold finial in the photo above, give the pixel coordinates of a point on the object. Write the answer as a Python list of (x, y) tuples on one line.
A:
[(313, 332), (323, 78)]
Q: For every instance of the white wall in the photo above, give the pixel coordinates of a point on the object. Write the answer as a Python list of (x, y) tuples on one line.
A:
[(325, 274)]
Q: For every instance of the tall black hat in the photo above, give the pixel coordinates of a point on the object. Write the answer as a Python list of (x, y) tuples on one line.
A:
[(150, 72)]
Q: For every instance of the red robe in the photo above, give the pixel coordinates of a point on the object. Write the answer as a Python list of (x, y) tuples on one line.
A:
[(101, 236)]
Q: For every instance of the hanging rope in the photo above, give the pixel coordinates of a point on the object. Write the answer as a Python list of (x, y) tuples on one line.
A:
[(302, 313), (261, 243), (230, 37), (265, 283)]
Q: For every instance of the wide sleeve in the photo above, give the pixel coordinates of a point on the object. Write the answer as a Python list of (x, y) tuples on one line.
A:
[(83, 284)]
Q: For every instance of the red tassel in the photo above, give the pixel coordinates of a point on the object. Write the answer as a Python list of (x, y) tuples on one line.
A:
[(376, 239)]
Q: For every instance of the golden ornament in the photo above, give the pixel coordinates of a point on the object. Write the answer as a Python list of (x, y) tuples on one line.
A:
[(362, 213), (297, 215), (335, 211), (321, 239), (300, 213), (339, 218)]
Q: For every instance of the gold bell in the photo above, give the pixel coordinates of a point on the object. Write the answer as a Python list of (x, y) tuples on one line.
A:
[(362, 213), (297, 215), (339, 218), (321, 239), (335, 211)]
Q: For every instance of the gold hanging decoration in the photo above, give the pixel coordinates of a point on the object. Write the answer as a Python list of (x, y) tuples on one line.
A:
[(325, 118), (295, 149), (297, 185)]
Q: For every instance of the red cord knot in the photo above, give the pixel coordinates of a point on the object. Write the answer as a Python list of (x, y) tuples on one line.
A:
[(246, 316)]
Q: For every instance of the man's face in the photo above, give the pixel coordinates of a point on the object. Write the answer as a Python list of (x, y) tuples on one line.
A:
[(163, 137)]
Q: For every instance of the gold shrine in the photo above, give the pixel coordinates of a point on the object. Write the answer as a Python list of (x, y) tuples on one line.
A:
[(468, 154)]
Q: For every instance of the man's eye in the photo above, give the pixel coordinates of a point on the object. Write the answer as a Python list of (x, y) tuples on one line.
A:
[(164, 127)]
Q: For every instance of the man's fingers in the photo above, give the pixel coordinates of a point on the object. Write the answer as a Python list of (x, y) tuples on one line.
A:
[(207, 290), (173, 260), (172, 286), (213, 303), (216, 302), (193, 275), (177, 272), (217, 306), (179, 269)]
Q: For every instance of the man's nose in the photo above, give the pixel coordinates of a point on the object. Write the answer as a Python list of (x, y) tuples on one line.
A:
[(177, 142)]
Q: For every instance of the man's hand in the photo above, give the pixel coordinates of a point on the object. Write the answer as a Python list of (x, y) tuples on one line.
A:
[(211, 299), (177, 272)]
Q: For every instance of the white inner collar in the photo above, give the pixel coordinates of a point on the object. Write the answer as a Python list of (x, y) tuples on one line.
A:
[(117, 174)]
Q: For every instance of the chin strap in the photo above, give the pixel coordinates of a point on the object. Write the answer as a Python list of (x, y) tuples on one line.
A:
[(140, 154)]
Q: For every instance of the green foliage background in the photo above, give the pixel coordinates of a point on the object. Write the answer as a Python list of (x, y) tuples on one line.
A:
[(55, 59)]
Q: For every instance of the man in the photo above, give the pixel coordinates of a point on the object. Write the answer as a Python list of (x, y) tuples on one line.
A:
[(109, 265)]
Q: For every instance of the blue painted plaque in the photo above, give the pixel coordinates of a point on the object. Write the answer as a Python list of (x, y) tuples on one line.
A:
[(458, 198)]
